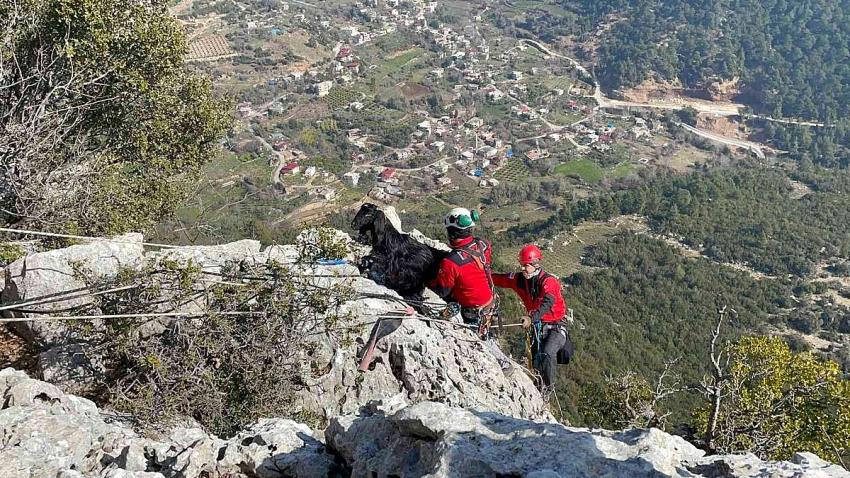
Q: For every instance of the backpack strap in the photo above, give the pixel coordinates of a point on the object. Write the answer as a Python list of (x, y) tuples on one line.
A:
[(480, 259)]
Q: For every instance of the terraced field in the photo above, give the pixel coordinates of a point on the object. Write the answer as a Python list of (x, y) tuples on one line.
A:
[(339, 98), (210, 47), (568, 248), (515, 170)]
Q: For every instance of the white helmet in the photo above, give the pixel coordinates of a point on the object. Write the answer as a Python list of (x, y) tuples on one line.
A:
[(460, 218)]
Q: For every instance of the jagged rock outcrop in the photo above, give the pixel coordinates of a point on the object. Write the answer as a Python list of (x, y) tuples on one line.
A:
[(44, 432), (423, 360), (36, 277), (433, 440)]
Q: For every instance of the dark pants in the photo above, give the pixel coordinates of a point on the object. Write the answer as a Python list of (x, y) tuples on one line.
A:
[(551, 340)]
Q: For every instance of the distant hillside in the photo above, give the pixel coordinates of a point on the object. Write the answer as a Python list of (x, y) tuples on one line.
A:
[(792, 57)]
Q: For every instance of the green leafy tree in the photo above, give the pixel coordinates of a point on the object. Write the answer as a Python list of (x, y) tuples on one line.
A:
[(102, 128), (776, 402)]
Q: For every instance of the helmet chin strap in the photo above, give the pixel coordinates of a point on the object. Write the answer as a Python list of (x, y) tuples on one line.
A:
[(533, 274)]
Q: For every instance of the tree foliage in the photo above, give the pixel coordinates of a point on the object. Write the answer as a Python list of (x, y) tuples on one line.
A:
[(743, 215), (777, 403), (792, 58), (102, 128)]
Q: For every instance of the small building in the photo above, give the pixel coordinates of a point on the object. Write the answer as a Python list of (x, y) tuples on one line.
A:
[(475, 123), (515, 75), (323, 88), (387, 174), (355, 106), (327, 193), (290, 168), (444, 181), (534, 154), (310, 172), (493, 93), (438, 145), (489, 152), (352, 178), (345, 54)]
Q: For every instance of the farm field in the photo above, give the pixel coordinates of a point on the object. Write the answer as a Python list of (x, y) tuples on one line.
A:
[(564, 258), (515, 170), (209, 47), (586, 169)]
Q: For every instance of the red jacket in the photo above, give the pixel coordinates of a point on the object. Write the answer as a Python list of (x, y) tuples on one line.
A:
[(463, 274), (541, 294)]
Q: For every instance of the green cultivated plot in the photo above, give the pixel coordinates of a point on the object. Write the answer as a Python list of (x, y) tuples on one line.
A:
[(583, 168), (515, 170), (624, 169)]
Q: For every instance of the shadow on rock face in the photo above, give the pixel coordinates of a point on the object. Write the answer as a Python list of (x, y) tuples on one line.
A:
[(432, 439)]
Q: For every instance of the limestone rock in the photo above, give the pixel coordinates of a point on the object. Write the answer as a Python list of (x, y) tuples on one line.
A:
[(426, 360), (44, 432), (210, 258), (274, 447), (41, 274), (433, 440), (806, 465)]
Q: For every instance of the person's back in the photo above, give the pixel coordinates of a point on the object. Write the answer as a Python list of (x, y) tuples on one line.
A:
[(464, 275)]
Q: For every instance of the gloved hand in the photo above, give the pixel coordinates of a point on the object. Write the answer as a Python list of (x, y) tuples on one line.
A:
[(526, 322)]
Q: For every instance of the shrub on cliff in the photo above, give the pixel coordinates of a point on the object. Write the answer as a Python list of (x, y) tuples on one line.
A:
[(102, 128)]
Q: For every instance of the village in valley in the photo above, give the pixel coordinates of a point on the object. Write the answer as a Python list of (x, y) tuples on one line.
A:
[(414, 103)]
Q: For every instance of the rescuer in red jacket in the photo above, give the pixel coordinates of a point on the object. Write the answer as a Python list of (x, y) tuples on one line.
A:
[(464, 275), (541, 295)]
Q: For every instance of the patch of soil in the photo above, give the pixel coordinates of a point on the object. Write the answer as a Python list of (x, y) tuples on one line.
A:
[(723, 126), (310, 111), (650, 90), (414, 91), (16, 352)]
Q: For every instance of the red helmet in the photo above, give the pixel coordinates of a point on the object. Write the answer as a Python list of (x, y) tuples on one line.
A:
[(530, 254)]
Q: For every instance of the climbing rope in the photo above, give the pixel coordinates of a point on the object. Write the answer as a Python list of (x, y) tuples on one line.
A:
[(174, 315), (84, 238)]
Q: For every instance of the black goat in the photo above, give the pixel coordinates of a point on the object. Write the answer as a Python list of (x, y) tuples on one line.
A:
[(397, 260)]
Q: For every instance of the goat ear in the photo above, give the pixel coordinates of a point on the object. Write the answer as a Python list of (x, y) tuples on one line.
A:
[(379, 225)]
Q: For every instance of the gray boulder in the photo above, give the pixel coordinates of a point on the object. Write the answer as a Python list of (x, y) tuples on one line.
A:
[(425, 360), (45, 432), (276, 447), (68, 272), (434, 440), (747, 465)]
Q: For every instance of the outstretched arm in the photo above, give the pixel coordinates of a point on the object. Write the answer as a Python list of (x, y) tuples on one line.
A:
[(505, 281)]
